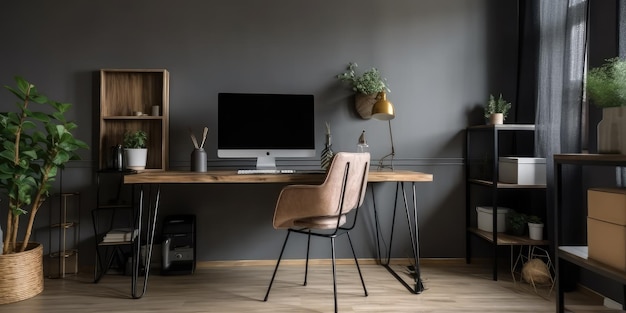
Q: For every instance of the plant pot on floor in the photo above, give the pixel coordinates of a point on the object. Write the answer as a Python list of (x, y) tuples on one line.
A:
[(21, 274), (535, 231)]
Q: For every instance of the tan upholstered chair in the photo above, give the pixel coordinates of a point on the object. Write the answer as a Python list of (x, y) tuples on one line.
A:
[(321, 210)]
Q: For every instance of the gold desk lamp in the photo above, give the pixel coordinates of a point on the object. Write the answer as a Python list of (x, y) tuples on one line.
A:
[(383, 110)]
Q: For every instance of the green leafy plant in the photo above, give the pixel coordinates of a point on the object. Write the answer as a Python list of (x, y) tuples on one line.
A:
[(534, 219), (35, 144), (135, 139), (370, 82), (497, 106), (606, 85), (516, 223)]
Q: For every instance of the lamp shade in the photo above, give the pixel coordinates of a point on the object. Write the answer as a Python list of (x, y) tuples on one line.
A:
[(383, 109)]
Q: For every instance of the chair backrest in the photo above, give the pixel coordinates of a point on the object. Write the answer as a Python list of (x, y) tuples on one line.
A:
[(342, 191), (354, 168)]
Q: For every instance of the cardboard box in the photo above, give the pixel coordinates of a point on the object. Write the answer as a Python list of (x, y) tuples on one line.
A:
[(485, 218), (606, 243), (522, 171), (606, 226)]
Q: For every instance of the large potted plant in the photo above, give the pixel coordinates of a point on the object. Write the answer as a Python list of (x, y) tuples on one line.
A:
[(36, 141), (606, 89), (368, 87), (135, 148)]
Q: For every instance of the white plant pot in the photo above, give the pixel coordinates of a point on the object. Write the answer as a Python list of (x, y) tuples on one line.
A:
[(136, 159), (535, 231)]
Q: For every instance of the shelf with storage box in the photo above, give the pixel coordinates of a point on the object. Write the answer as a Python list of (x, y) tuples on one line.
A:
[(134, 99), (491, 190), (598, 255)]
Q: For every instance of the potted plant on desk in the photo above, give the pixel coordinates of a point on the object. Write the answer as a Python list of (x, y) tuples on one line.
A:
[(135, 148), (36, 141)]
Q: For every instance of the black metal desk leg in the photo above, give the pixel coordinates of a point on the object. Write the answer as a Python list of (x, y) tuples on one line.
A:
[(153, 209), (413, 230)]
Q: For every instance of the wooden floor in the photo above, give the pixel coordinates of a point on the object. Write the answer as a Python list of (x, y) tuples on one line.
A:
[(450, 287)]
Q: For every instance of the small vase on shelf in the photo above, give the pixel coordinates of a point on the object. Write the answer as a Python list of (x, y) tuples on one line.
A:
[(327, 152)]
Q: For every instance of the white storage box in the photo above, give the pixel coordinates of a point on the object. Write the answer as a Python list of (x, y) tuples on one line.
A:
[(522, 171), (485, 218)]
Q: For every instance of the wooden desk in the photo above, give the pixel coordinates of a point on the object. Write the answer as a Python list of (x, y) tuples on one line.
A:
[(231, 177), (228, 177)]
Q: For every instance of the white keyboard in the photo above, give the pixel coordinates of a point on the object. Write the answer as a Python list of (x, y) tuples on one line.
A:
[(244, 172)]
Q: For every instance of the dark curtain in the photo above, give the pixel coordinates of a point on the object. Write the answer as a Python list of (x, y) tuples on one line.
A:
[(552, 58)]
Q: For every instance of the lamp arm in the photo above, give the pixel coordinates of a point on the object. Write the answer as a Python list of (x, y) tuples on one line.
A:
[(390, 155)]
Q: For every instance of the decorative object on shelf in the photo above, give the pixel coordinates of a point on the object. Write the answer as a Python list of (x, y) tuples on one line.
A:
[(198, 156), (497, 110), (155, 110), (535, 227), (383, 110), (367, 87), (117, 158), (362, 145), (536, 272), (36, 143), (327, 152), (135, 149), (516, 223), (606, 89)]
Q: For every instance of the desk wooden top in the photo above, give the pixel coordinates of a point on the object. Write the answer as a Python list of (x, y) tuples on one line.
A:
[(225, 176)]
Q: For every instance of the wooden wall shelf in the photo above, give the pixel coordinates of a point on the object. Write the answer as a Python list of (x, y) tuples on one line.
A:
[(124, 92)]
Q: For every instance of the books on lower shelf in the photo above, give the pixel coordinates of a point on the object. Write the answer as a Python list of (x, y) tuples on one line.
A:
[(120, 234)]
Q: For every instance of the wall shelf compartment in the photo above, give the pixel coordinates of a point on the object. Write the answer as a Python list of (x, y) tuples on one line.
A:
[(124, 92)]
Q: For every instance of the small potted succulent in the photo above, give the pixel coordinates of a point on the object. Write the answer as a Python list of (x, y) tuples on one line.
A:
[(369, 87), (496, 110), (135, 149)]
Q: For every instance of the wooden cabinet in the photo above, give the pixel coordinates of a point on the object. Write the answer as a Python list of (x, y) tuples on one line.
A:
[(123, 94), (576, 253), (485, 144)]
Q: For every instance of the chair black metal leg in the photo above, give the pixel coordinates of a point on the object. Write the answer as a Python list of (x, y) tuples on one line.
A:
[(357, 263), (332, 247), (306, 266), (267, 294)]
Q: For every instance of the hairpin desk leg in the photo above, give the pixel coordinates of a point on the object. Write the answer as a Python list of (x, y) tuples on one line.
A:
[(153, 209), (412, 222)]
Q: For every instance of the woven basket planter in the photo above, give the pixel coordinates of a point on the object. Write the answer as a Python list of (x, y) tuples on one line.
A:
[(21, 274)]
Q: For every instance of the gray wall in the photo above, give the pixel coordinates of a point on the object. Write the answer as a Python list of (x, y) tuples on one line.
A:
[(441, 58)]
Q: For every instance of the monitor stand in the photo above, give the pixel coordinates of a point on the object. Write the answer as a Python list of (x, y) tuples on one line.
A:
[(266, 163)]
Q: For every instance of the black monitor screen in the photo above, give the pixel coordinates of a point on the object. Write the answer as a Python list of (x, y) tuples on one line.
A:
[(265, 121)]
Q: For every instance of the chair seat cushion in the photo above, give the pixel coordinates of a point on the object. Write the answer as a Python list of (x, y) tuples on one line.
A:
[(321, 222)]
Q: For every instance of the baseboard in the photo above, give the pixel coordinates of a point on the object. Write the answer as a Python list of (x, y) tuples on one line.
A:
[(298, 262)]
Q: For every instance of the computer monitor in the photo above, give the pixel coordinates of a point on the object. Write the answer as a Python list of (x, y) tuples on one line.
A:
[(265, 127)]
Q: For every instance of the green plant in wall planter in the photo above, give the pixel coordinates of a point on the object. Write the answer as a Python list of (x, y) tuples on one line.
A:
[(368, 87), (606, 89), (135, 148)]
